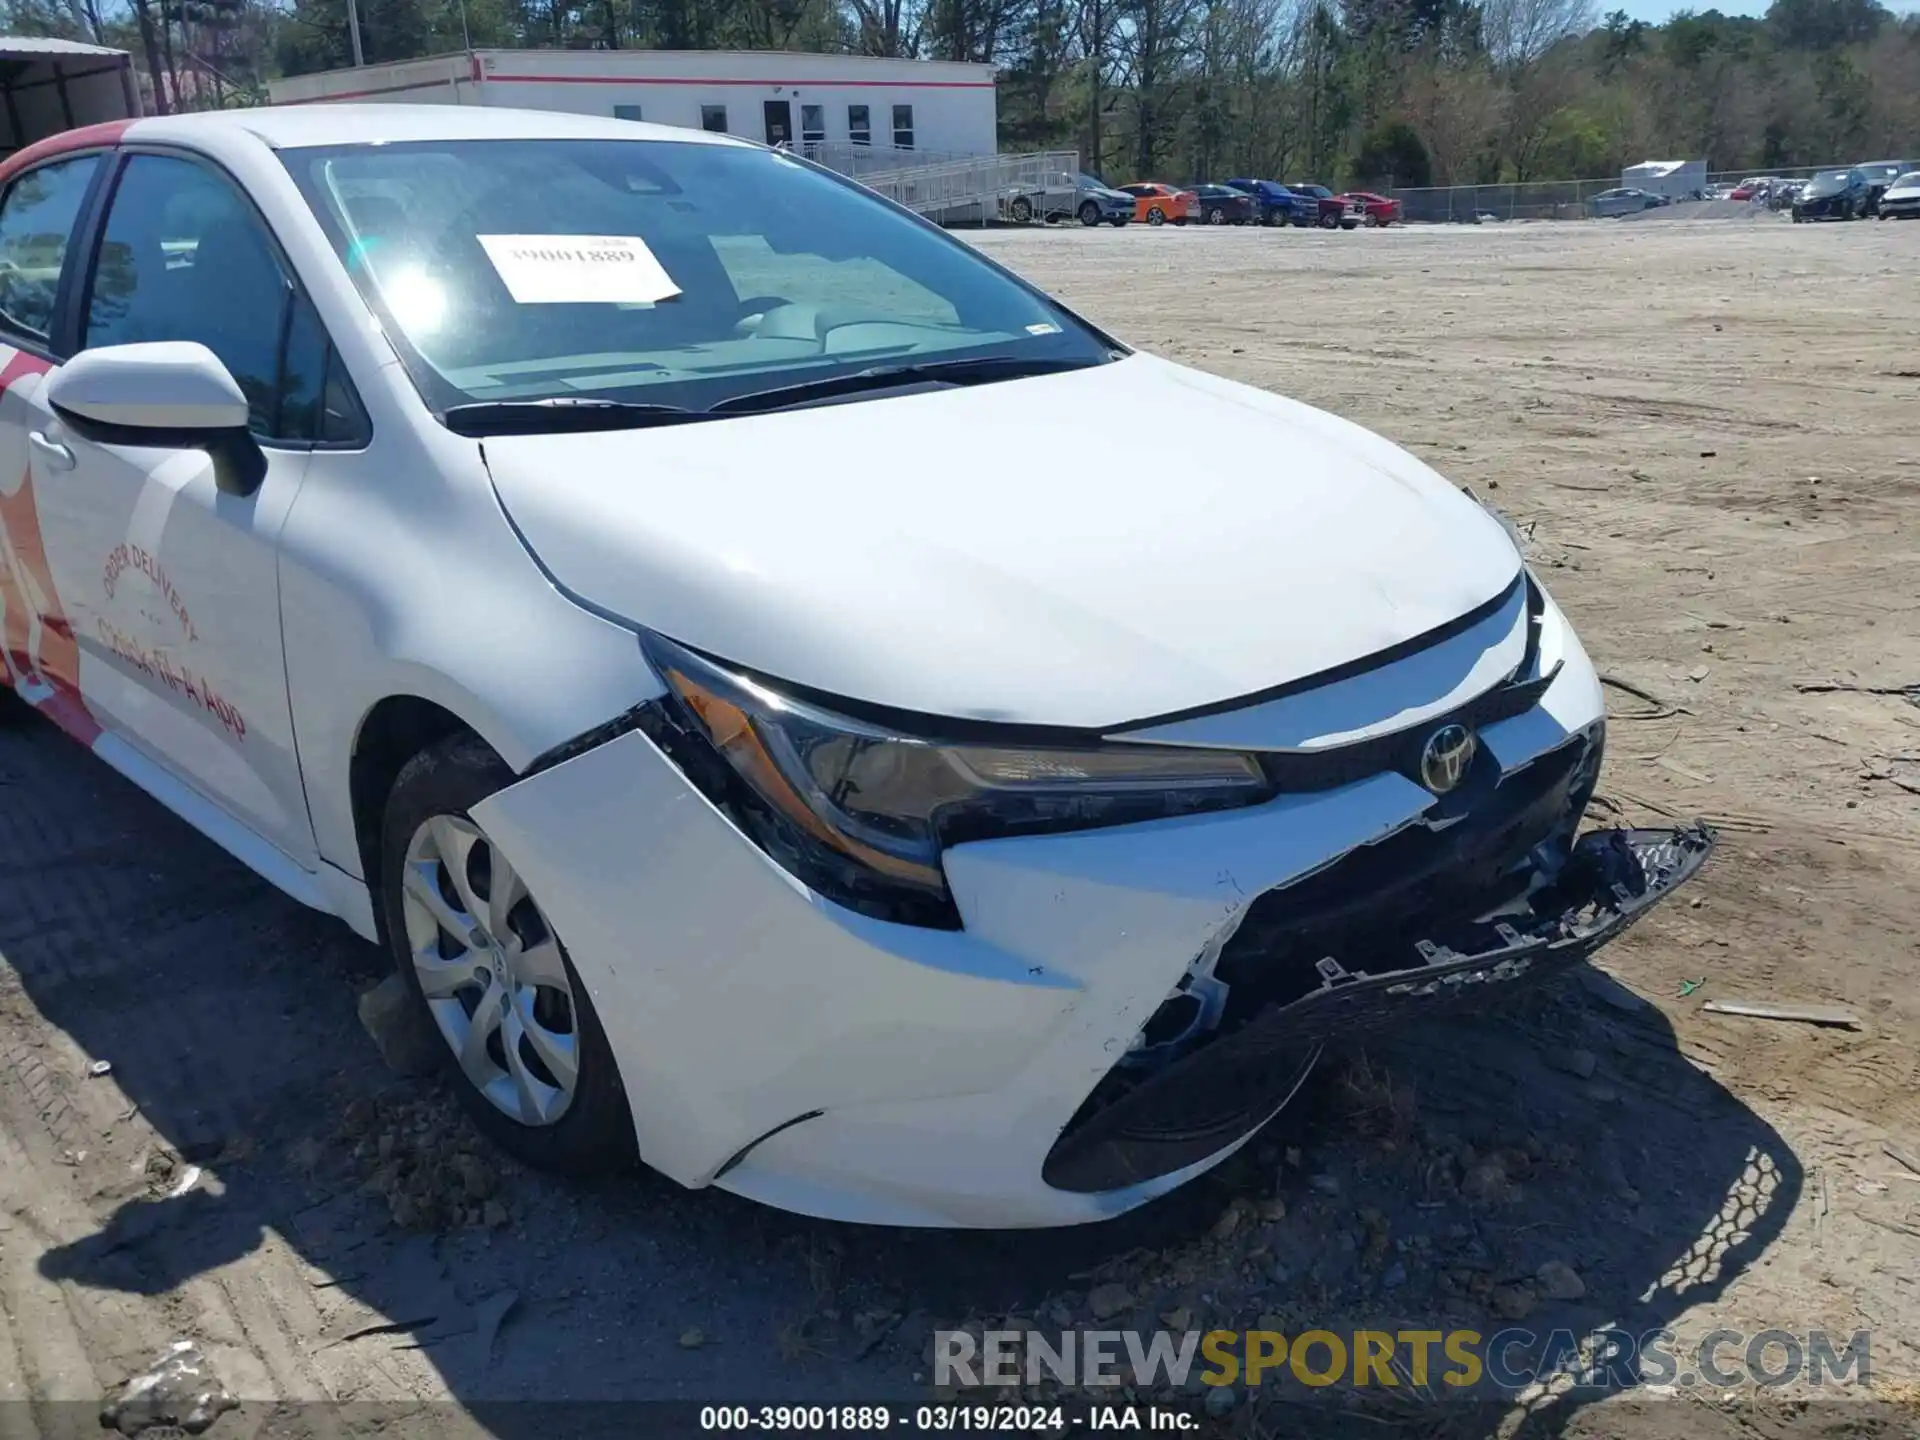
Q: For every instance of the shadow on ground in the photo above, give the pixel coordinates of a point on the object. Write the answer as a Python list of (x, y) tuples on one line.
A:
[(1423, 1187)]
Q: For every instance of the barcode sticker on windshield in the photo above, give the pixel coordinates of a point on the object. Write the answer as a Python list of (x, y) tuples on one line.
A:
[(578, 269)]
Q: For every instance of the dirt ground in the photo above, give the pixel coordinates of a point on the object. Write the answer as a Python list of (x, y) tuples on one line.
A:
[(1708, 433)]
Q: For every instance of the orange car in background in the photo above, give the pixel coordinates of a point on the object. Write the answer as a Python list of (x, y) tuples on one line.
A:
[(1156, 204)]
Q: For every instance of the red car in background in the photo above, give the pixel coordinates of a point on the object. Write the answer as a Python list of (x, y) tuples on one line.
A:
[(1376, 209)]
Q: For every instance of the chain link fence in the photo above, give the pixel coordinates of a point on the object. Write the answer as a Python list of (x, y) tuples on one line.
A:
[(1467, 204)]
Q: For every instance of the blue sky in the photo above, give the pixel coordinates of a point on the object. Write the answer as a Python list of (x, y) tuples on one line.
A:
[(1657, 12)]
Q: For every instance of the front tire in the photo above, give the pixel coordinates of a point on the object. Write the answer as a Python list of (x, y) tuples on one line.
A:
[(1329, 222), (1216, 217), (1089, 214), (1021, 210), (523, 1045)]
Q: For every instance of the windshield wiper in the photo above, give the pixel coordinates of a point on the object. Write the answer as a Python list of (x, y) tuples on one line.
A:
[(559, 414), (978, 371)]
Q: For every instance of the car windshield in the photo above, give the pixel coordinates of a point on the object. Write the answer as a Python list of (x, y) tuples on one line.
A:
[(1832, 180), (1092, 183), (682, 274), (1907, 181)]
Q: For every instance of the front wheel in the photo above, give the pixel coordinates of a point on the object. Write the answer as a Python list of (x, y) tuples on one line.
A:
[(1021, 209), (1329, 222), (1089, 213), (523, 1045), (1216, 217)]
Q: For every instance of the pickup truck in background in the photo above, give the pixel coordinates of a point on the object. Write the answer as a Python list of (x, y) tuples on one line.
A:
[(1333, 210), (1277, 204)]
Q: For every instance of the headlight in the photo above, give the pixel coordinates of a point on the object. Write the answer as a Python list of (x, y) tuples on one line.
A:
[(861, 811)]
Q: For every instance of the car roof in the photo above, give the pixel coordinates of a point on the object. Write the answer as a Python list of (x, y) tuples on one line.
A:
[(294, 127)]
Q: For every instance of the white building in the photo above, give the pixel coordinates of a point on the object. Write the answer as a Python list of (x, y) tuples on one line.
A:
[(1675, 179), (818, 102)]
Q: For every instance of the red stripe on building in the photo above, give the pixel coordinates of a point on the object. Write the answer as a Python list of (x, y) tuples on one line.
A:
[(643, 80)]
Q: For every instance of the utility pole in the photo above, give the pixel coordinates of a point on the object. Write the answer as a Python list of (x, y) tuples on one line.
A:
[(353, 30)]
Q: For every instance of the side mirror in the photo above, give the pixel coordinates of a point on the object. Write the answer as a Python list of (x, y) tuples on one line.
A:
[(171, 394)]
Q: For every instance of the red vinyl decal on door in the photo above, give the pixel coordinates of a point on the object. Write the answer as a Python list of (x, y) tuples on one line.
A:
[(42, 656)]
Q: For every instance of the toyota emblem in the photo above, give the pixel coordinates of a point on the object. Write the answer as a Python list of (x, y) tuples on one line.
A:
[(1445, 757)]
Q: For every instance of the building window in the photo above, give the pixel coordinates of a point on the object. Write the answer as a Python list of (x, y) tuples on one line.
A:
[(903, 127), (714, 118), (859, 125), (626, 112), (813, 128)]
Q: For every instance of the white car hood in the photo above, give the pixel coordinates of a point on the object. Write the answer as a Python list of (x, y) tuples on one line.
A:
[(1902, 192), (1086, 549)]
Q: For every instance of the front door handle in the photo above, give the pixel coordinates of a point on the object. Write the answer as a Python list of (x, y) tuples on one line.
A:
[(56, 455)]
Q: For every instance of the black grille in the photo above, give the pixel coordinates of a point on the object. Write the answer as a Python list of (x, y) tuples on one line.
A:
[(1196, 1106), (1372, 910)]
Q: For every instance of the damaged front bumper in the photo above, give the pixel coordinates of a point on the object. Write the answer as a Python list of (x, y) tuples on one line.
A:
[(1192, 1107), (1121, 1009)]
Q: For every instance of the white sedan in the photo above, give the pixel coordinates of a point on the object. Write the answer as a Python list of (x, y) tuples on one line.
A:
[(604, 564)]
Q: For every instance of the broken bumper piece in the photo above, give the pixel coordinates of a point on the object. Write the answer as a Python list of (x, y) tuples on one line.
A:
[(1136, 1129)]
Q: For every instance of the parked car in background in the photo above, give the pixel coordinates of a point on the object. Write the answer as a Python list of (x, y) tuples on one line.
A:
[(1755, 188), (1624, 201), (1278, 205), (1902, 198), (1374, 209), (1834, 195), (1067, 194), (1157, 204), (1331, 210), (1784, 193), (1880, 175), (1223, 205)]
